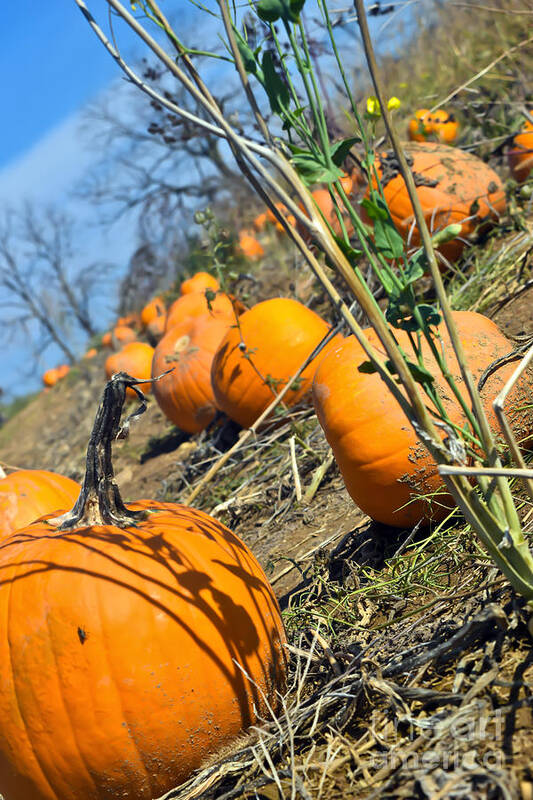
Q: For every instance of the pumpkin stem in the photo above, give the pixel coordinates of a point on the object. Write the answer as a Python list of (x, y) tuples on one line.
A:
[(100, 502)]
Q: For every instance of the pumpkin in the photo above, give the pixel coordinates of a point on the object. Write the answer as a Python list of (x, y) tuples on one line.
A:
[(91, 352), (322, 198), (197, 304), (444, 126), (134, 358), (121, 335), (62, 370), (199, 282), (282, 208), (132, 320), (135, 642), (156, 328), (383, 464), (440, 124), (185, 396), (107, 340), (27, 494), (155, 308), (452, 186), (249, 246), (260, 221), (260, 355), (50, 377), (520, 156)]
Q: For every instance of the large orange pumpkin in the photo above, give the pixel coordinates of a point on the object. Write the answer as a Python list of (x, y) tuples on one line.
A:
[(521, 154), (272, 340), (135, 358), (383, 464), (199, 282), (155, 308), (452, 186), (185, 395), (134, 643), (196, 304), (27, 494)]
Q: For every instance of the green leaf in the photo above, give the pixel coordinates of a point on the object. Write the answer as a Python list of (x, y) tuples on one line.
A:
[(276, 89), (388, 240), (339, 150), (312, 169), (367, 368), (416, 267), (247, 54), (352, 255)]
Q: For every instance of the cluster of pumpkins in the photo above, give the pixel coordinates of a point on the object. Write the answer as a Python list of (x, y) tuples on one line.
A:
[(129, 654)]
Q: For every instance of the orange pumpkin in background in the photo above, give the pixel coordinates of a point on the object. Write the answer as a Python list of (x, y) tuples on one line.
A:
[(199, 283), (121, 335), (441, 125), (520, 156), (323, 200), (272, 340), (384, 465), (135, 358), (419, 126), (91, 352), (50, 377), (156, 328), (453, 187), (27, 494), (196, 304), (445, 126), (260, 221), (132, 320), (185, 395), (282, 208), (249, 246), (107, 340), (129, 652), (155, 308)]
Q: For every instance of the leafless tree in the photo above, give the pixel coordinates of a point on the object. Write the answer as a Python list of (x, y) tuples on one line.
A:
[(46, 293)]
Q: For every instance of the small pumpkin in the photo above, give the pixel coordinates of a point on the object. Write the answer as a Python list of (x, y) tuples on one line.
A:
[(445, 126), (91, 352), (257, 358), (27, 494), (155, 308), (156, 328), (50, 377), (185, 395), (384, 465), (121, 335), (452, 186), (323, 200), (107, 340), (282, 208), (520, 156), (132, 320), (197, 304), (249, 246), (260, 222), (135, 358), (62, 370), (135, 641), (419, 126), (199, 282)]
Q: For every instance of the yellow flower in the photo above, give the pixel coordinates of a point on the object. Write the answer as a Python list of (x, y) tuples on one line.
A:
[(372, 106), (394, 103)]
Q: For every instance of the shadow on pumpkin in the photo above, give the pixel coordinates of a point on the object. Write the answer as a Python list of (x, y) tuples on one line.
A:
[(227, 607)]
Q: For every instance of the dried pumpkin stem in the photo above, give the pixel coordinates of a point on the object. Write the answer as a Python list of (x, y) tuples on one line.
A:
[(99, 502)]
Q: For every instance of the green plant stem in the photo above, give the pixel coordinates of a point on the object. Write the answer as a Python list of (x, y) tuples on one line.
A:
[(479, 412)]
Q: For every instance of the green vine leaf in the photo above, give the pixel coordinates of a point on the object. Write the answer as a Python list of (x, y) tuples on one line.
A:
[(276, 89), (339, 150)]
